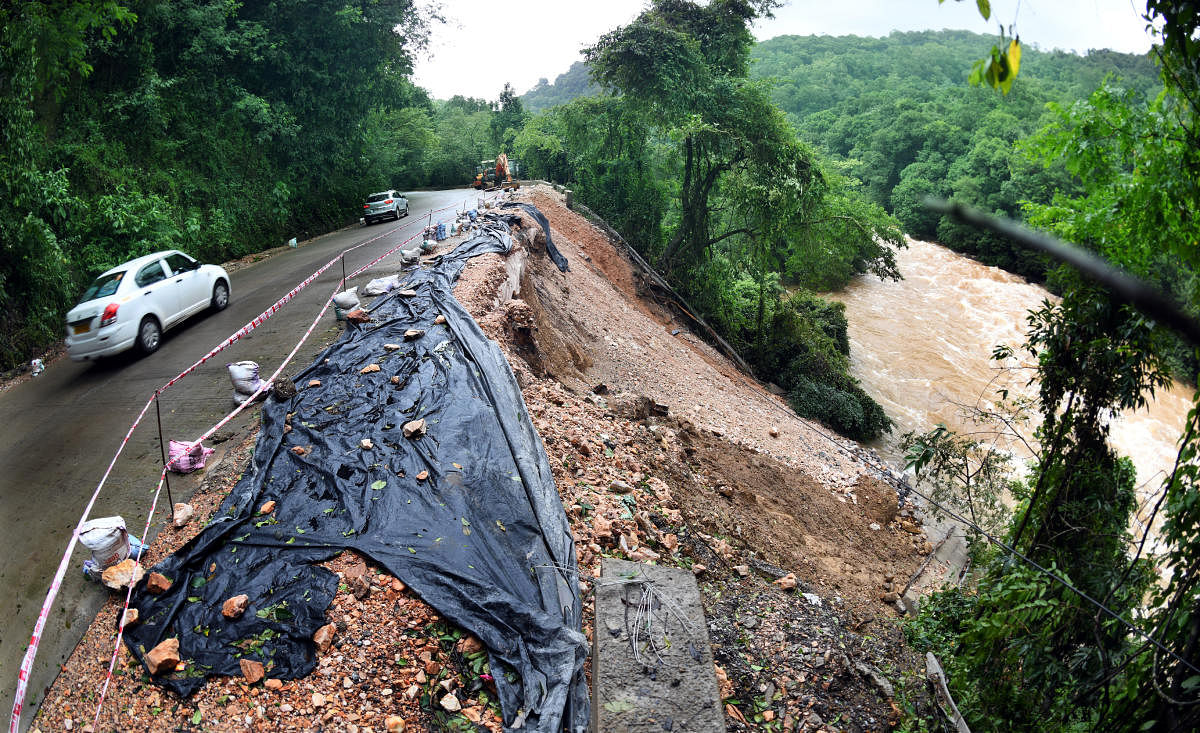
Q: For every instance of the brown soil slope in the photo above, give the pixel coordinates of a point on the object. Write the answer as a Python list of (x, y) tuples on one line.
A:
[(663, 452)]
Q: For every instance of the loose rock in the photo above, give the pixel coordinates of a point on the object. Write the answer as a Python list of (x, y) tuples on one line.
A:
[(413, 334), (273, 684), (324, 637), (183, 514), (619, 487), (366, 444), (440, 320), (358, 315), (314, 383), (163, 658), (450, 704), (252, 670), (422, 475), (130, 618), (123, 574), (369, 369), (157, 584), (787, 582), (414, 428), (395, 724), (235, 607), (267, 507)]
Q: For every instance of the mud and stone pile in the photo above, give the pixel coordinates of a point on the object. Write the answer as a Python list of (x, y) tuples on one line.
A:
[(662, 452)]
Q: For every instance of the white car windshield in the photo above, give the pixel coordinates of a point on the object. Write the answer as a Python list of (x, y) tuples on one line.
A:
[(103, 286)]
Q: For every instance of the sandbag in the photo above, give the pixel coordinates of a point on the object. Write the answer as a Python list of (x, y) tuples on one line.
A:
[(185, 457), (347, 300), (108, 540), (381, 285), (244, 375)]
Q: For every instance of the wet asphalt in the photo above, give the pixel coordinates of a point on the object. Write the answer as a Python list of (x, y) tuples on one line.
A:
[(60, 431)]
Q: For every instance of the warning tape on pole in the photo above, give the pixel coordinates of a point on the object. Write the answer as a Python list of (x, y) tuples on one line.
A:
[(208, 434), (56, 584)]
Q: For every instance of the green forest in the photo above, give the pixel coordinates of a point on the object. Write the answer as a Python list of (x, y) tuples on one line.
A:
[(220, 128), (754, 177)]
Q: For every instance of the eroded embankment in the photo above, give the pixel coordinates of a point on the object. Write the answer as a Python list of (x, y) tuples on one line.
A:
[(662, 452)]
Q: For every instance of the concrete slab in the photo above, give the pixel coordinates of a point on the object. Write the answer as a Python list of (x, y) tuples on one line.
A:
[(652, 666)]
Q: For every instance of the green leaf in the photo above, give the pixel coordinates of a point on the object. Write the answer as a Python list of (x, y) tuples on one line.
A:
[(985, 8), (619, 706), (377, 485), (196, 718)]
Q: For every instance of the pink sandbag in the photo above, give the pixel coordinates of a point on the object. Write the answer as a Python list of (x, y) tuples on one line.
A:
[(187, 457)]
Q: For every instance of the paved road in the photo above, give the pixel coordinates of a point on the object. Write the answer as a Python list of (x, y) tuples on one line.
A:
[(61, 430)]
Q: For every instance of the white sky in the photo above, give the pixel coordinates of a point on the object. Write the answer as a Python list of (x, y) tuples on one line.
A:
[(542, 38)]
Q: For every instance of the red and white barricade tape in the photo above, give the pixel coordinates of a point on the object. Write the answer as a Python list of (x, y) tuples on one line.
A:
[(56, 584), (208, 434)]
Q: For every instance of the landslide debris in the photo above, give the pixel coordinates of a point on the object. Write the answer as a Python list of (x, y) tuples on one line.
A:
[(662, 452)]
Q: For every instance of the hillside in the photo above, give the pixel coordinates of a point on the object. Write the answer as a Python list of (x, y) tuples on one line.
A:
[(816, 73), (571, 84)]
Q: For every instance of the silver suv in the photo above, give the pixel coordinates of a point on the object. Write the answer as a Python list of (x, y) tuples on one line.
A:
[(385, 204)]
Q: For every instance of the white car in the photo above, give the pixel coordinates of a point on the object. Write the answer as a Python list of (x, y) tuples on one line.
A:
[(132, 304)]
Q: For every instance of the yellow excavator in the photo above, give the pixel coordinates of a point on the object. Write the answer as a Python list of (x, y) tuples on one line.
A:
[(491, 174)]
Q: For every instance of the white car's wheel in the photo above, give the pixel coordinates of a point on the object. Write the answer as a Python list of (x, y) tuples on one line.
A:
[(220, 296), (149, 335)]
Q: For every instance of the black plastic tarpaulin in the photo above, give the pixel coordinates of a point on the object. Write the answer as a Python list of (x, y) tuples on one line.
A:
[(555, 256), (484, 539)]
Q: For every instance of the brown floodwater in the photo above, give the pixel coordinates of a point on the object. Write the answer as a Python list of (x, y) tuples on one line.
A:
[(922, 348)]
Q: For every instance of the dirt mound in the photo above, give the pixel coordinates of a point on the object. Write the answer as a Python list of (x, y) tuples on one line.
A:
[(791, 521)]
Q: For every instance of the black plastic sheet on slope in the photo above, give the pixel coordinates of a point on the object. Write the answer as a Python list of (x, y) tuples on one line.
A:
[(484, 540), (551, 250)]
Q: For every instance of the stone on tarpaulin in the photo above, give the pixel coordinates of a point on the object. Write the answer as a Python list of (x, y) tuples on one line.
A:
[(163, 658), (252, 670), (235, 607)]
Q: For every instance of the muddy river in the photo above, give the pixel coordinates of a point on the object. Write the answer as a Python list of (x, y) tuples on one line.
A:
[(922, 348)]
